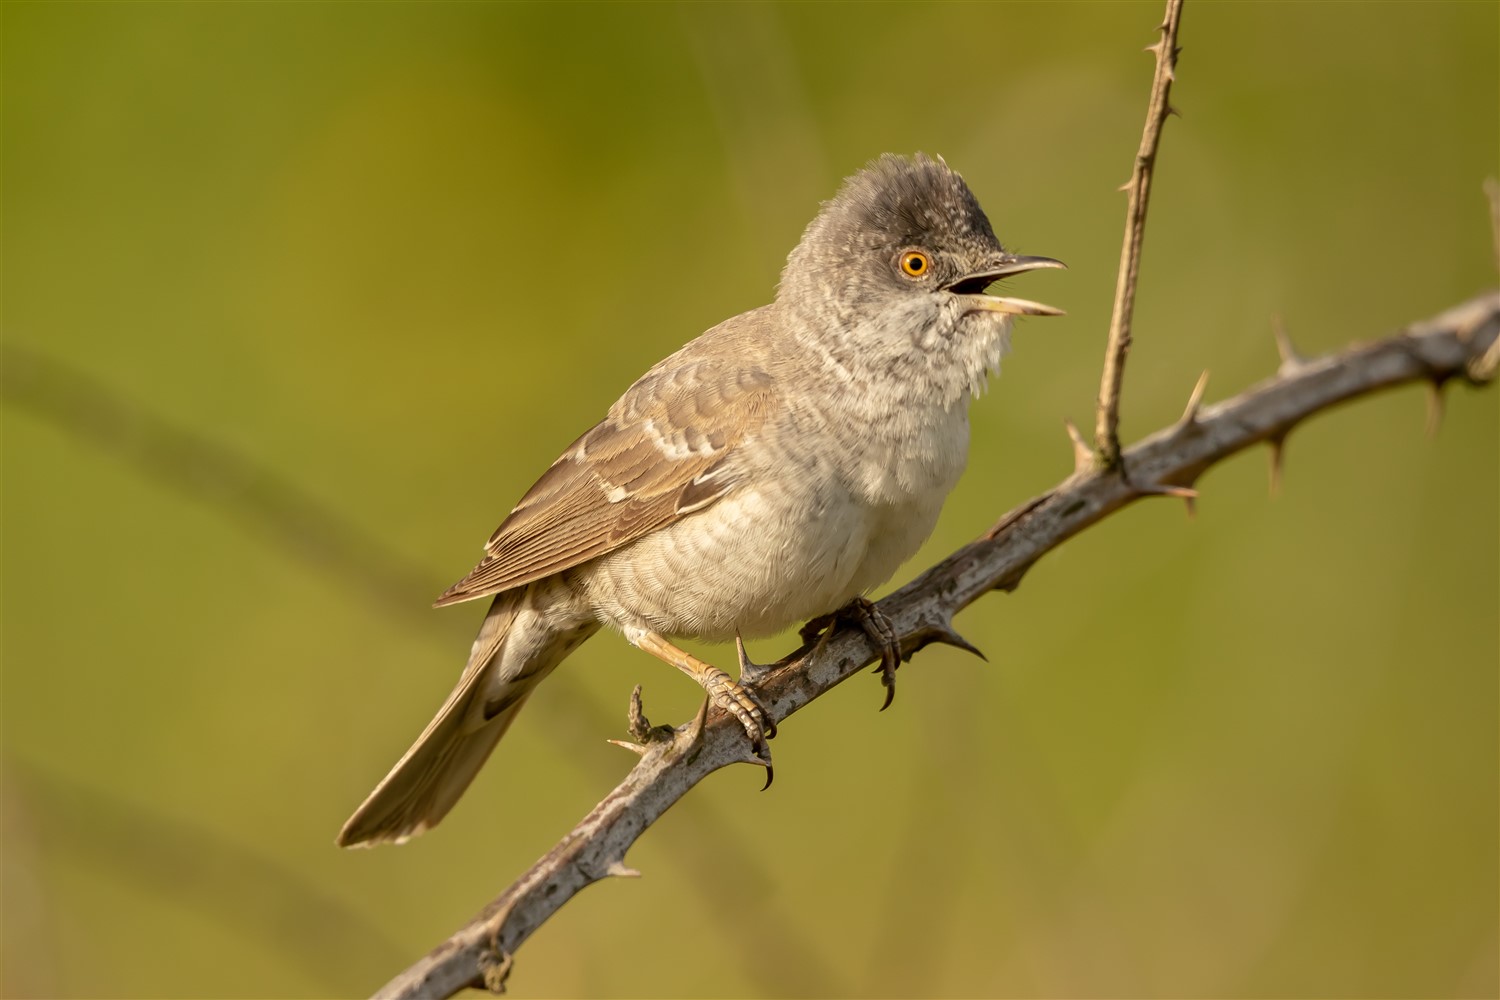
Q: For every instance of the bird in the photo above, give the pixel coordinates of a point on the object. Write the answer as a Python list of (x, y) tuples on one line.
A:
[(774, 470)]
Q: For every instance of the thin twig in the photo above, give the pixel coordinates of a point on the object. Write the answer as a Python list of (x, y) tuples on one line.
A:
[(1434, 350), (1107, 427)]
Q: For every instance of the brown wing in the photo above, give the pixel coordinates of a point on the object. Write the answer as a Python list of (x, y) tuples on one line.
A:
[(660, 454)]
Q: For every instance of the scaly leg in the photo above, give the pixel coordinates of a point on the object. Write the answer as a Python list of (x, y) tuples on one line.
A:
[(735, 698)]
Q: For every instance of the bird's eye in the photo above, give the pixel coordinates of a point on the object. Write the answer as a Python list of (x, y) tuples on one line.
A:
[(915, 263)]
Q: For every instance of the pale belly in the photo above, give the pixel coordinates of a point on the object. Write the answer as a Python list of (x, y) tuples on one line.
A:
[(760, 561)]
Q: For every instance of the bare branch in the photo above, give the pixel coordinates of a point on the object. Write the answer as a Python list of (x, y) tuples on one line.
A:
[(1437, 349), (1107, 427)]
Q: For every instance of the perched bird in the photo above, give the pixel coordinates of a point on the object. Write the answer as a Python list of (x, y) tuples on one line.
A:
[(771, 471)]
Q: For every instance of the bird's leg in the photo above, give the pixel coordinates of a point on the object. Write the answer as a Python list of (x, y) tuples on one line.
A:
[(875, 624), (733, 697)]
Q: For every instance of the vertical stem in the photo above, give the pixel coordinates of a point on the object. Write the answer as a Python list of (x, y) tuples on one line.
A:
[(1107, 428)]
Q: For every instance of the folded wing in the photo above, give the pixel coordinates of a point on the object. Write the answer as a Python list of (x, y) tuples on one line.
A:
[(662, 453)]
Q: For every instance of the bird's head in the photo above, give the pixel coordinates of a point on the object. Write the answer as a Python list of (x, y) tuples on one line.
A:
[(906, 238)]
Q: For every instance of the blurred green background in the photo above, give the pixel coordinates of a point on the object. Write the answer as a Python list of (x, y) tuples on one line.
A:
[(400, 255)]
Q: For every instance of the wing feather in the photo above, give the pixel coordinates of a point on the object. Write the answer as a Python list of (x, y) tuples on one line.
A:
[(658, 456)]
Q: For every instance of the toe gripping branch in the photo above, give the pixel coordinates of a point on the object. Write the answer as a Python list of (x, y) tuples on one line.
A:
[(879, 629), (737, 698)]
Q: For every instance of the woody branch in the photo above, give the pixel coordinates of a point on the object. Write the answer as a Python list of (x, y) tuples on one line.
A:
[(1458, 344), (1138, 190)]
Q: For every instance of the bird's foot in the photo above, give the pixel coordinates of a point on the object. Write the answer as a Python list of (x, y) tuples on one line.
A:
[(741, 701), (736, 698), (876, 625)]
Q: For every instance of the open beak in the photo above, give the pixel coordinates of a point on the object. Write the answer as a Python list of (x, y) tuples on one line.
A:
[(972, 287)]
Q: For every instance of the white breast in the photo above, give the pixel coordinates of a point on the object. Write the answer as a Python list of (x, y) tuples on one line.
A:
[(833, 496)]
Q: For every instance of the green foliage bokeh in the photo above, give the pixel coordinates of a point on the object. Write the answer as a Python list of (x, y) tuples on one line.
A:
[(402, 254)]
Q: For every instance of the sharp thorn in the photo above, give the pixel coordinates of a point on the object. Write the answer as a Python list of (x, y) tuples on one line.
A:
[(1015, 515), (1186, 493), (1195, 401), (1173, 112), (1083, 455), (1290, 359), (757, 756), (1126, 185), (751, 673), (693, 732), (1482, 370), (1160, 490), (1434, 407), (946, 634), (634, 748), (621, 870)]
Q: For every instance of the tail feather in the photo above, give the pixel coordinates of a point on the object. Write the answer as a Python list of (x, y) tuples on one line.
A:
[(513, 652)]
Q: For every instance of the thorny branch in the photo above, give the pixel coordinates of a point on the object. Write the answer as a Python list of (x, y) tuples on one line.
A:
[(1107, 427), (1463, 342), (1460, 343), (1449, 346)]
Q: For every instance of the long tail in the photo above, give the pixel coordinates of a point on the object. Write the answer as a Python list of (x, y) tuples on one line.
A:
[(513, 652)]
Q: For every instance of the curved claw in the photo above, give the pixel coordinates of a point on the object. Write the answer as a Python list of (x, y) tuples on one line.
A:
[(763, 760), (876, 626), (761, 750), (883, 634)]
